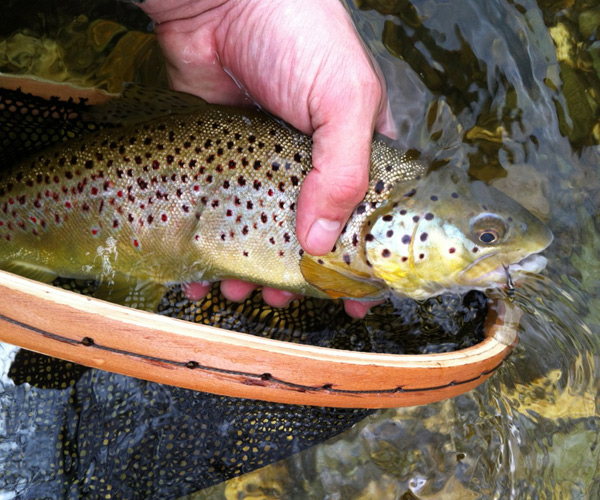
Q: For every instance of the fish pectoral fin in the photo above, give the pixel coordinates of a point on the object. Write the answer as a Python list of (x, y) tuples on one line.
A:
[(336, 284), (132, 292), (30, 271)]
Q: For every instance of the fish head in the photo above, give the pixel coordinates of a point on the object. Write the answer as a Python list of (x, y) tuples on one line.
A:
[(452, 233)]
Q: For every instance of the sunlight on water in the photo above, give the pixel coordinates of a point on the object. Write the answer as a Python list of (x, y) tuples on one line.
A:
[(511, 91)]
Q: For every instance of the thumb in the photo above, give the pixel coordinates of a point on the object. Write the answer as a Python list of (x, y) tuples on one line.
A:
[(336, 184)]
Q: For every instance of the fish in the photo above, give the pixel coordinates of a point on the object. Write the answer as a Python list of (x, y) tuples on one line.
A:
[(197, 192)]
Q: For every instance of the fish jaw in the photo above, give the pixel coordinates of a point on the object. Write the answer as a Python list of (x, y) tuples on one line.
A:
[(429, 239), (532, 264)]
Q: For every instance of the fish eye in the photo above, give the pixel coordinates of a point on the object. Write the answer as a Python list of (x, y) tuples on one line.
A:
[(489, 236), (488, 229)]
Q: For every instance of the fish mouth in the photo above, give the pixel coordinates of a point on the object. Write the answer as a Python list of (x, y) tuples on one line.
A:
[(532, 263)]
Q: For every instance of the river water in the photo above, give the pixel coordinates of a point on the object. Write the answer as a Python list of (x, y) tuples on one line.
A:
[(511, 91)]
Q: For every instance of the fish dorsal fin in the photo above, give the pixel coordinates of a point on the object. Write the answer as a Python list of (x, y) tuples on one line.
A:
[(337, 284), (139, 103)]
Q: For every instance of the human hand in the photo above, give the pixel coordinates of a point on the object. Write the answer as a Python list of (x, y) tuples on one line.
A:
[(303, 61)]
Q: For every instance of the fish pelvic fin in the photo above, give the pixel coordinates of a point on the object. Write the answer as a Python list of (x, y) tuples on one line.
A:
[(31, 271), (132, 292)]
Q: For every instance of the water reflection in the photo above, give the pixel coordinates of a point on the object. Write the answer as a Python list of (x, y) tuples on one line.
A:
[(510, 91), (493, 94)]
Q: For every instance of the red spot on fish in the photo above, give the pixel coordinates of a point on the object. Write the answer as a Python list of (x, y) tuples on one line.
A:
[(120, 194), (94, 190), (94, 231), (33, 219), (68, 204), (136, 243), (164, 217)]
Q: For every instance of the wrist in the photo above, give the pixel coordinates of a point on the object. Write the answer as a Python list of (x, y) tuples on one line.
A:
[(162, 11)]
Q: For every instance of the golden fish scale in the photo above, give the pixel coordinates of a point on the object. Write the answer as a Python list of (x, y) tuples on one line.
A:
[(179, 195), (205, 196)]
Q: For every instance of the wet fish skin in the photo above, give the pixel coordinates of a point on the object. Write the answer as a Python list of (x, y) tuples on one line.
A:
[(207, 196)]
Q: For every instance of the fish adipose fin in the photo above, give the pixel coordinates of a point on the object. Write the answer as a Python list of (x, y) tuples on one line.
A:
[(336, 284), (140, 294)]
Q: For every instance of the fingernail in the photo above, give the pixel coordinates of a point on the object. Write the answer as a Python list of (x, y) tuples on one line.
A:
[(322, 236)]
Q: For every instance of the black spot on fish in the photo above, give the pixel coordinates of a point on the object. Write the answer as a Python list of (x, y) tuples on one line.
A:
[(410, 193), (428, 216), (421, 255), (406, 239), (388, 218), (454, 195), (379, 187), (475, 249), (346, 258), (402, 212), (390, 233), (360, 209), (298, 157), (369, 237), (416, 218), (434, 198), (385, 253), (424, 236)]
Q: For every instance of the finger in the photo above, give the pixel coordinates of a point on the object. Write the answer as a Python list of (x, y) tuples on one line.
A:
[(237, 290), (196, 290), (278, 298), (333, 188), (356, 309), (194, 67)]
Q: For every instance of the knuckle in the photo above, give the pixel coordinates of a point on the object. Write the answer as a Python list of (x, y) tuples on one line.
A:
[(347, 191)]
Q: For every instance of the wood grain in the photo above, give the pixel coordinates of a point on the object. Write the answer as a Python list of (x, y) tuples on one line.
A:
[(102, 335)]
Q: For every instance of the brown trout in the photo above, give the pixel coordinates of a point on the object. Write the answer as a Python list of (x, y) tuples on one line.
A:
[(211, 194)]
